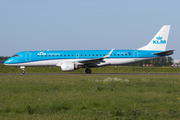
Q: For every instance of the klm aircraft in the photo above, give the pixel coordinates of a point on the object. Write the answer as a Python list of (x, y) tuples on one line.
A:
[(70, 60)]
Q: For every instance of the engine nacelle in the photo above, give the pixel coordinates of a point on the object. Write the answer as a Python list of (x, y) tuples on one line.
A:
[(68, 66)]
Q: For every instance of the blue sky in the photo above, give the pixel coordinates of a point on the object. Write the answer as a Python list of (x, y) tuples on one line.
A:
[(86, 24)]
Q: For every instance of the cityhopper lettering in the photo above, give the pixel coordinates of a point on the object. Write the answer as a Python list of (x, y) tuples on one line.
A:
[(159, 40)]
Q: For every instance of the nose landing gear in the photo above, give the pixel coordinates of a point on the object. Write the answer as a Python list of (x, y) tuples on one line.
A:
[(88, 71), (23, 69)]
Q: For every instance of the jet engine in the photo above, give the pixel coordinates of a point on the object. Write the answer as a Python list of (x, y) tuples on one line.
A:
[(68, 66)]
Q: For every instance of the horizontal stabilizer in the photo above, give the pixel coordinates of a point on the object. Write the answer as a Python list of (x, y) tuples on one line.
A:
[(169, 52)]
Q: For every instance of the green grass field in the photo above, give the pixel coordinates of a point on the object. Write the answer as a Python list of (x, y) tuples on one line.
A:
[(107, 69), (89, 97)]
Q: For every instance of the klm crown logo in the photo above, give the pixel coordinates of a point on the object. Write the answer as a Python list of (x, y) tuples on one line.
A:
[(159, 40), (67, 67), (41, 53)]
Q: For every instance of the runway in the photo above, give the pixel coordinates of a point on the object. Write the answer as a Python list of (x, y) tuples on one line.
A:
[(90, 74)]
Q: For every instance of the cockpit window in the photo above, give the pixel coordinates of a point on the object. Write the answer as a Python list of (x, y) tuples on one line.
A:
[(15, 55)]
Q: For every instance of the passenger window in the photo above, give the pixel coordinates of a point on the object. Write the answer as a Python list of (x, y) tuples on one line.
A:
[(46, 55), (96, 54), (81, 54), (125, 54), (118, 54), (61, 55), (41, 55), (85, 54), (72, 55), (122, 54), (65, 55), (68, 55), (49, 55), (103, 54), (100, 54), (93, 54), (38, 55), (57, 55), (114, 54), (89, 54), (53, 55)]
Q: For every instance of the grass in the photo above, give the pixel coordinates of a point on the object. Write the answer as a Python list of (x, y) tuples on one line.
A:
[(107, 69), (89, 97)]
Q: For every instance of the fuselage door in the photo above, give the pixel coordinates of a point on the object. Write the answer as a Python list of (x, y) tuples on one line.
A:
[(135, 54), (28, 56)]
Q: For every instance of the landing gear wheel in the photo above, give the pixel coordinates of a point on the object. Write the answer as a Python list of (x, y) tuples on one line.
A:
[(23, 69), (23, 72), (88, 71)]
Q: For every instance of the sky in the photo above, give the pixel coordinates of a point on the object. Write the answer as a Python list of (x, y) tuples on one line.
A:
[(27, 25)]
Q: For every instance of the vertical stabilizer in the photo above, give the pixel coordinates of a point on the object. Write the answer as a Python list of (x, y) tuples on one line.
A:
[(159, 41)]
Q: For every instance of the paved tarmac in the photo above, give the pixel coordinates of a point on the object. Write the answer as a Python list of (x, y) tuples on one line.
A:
[(90, 74)]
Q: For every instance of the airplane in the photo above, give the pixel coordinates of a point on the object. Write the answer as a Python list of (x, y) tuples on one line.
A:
[(70, 60)]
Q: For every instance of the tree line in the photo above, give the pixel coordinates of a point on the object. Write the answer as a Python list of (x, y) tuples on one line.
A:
[(3, 58), (158, 62)]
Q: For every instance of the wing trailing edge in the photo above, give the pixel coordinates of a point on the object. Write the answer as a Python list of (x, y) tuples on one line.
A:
[(97, 59)]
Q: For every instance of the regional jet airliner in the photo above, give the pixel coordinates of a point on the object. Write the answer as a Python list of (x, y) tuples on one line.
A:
[(70, 60)]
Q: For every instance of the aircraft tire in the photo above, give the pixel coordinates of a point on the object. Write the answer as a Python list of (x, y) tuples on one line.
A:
[(88, 71), (23, 72)]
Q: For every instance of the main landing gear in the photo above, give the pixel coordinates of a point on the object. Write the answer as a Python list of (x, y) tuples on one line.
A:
[(23, 69), (88, 71)]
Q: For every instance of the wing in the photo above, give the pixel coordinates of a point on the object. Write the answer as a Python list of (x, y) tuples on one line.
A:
[(169, 52), (95, 61)]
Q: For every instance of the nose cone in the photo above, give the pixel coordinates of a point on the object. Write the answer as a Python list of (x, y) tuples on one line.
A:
[(7, 62)]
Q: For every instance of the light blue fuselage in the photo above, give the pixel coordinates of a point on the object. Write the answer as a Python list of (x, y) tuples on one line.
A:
[(52, 58)]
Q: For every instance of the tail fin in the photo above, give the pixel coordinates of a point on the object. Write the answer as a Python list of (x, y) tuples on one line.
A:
[(159, 41)]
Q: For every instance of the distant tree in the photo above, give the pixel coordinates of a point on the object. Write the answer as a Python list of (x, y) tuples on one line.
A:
[(4, 58), (170, 61), (155, 63), (163, 61)]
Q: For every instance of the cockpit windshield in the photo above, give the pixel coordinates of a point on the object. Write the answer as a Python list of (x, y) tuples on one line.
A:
[(15, 55)]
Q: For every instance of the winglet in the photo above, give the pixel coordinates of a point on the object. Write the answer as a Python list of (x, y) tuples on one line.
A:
[(108, 55)]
